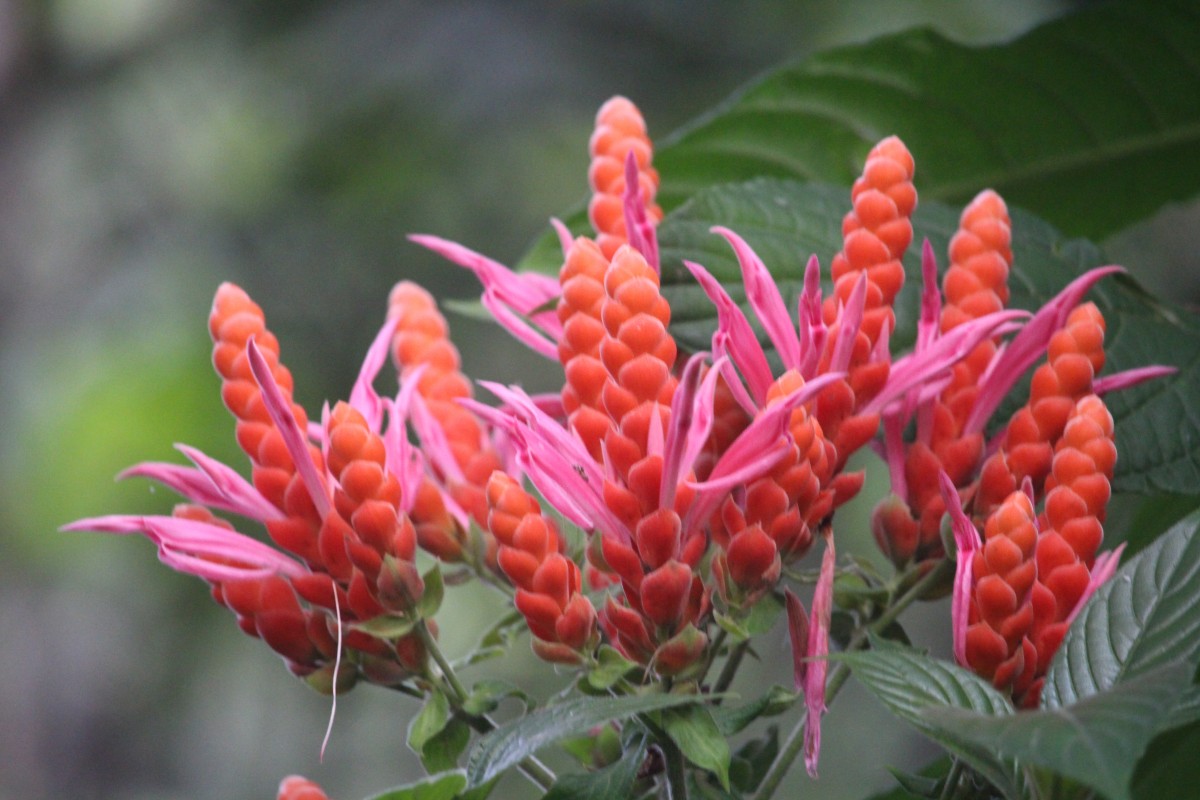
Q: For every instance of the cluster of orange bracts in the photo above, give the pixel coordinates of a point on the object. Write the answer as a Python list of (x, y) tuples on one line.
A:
[(695, 479)]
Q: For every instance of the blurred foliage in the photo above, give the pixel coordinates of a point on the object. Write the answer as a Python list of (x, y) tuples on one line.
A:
[(150, 149)]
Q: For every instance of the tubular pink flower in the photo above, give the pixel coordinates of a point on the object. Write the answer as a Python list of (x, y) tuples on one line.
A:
[(211, 552), (813, 331), (279, 409), (764, 297), (691, 422), (510, 296), (735, 331), (363, 396), (816, 654), (967, 542), (1103, 568), (754, 452), (1027, 347), (1130, 377), (851, 317), (639, 228), (209, 483)]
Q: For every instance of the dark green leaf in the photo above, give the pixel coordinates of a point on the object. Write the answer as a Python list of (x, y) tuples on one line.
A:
[(432, 717), (909, 784), (1144, 617), (431, 599), (693, 729), (752, 760), (1096, 741), (442, 750), (1112, 89), (514, 741), (486, 695), (611, 667), (732, 719), (1169, 770), (911, 683), (445, 786), (785, 222), (614, 782)]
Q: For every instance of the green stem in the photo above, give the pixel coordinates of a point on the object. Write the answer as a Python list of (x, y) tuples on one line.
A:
[(531, 766), (676, 777), (953, 778), (729, 670), (837, 677)]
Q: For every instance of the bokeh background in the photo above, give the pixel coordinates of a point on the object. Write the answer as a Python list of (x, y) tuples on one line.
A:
[(150, 149)]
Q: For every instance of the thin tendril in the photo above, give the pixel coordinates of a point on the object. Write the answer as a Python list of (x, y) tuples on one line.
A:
[(337, 668)]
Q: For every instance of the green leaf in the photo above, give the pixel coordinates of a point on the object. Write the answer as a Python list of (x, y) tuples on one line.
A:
[(910, 683), (614, 782), (1170, 769), (785, 222), (513, 741), (752, 760), (1096, 741), (444, 786), (486, 695), (693, 729), (733, 719), (387, 626), (1113, 90), (431, 598), (611, 667), (442, 750), (431, 719), (1144, 617)]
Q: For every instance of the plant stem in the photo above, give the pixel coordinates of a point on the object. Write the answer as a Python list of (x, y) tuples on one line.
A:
[(953, 778), (533, 769), (729, 670), (676, 778), (837, 677)]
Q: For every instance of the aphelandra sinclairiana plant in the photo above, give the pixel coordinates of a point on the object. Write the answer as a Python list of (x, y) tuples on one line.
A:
[(698, 480)]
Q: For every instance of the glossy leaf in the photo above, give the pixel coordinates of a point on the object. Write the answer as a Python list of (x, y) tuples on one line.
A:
[(1096, 741), (1143, 618), (1112, 90), (695, 732), (431, 719), (514, 741), (786, 222), (444, 786), (910, 683), (614, 782)]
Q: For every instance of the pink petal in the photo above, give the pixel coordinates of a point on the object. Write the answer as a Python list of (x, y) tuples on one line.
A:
[(763, 294), (524, 292), (280, 410), (755, 451), (190, 546), (743, 345), (797, 620), (565, 239), (916, 369), (363, 397), (1130, 377), (931, 299), (1028, 346), (521, 330), (818, 664), (434, 443), (691, 421), (850, 317), (813, 332), (1103, 568), (638, 226), (966, 541)]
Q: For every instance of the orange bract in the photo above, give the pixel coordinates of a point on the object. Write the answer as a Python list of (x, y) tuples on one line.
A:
[(620, 130)]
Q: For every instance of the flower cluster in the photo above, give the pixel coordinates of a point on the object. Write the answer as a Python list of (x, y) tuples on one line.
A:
[(696, 478)]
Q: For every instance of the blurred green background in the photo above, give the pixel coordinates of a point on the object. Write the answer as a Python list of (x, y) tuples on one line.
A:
[(150, 149)]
